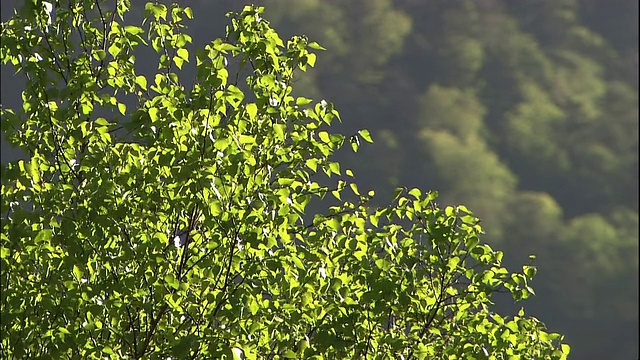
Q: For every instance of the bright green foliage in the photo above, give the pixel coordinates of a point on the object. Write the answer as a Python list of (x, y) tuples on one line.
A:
[(185, 237)]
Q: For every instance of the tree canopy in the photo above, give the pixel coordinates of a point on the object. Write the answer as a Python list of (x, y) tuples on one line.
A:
[(161, 218)]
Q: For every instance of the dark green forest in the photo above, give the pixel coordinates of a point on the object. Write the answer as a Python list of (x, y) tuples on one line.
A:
[(526, 112)]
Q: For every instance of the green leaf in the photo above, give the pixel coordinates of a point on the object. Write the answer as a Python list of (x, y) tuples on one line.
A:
[(303, 101), (100, 55), (464, 209), (416, 193), (397, 192), (297, 262), (102, 122), (355, 143), (183, 54), (44, 235), (529, 271), (153, 114), (178, 61), (252, 110), (188, 12), (311, 59), (247, 139), (216, 207), (222, 143), (334, 224), (334, 167), (279, 130), (234, 95), (471, 242), (365, 135), (316, 46), (157, 10), (77, 272), (172, 281), (141, 81), (253, 307), (421, 351), (34, 169), (324, 136), (134, 30), (312, 164), (114, 50), (383, 264)]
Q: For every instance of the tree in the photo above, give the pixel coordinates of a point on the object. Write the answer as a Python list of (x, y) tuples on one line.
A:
[(155, 220)]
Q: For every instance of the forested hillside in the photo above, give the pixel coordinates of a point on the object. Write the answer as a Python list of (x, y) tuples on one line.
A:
[(526, 112)]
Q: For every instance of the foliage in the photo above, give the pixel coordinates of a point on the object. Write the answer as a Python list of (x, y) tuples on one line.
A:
[(186, 235)]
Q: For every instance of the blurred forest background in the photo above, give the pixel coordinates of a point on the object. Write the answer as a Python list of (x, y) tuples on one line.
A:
[(525, 111)]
